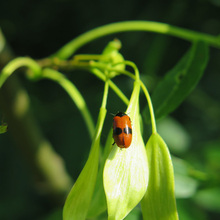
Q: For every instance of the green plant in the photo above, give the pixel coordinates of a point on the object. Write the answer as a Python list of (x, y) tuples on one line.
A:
[(124, 177)]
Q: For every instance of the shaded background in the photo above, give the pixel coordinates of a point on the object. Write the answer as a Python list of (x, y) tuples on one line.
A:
[(39, 29)]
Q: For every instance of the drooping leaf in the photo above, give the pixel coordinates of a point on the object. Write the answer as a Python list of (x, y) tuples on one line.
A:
[(98, 204), (159, 201), (181, 80), (125, 174), (79, 198)]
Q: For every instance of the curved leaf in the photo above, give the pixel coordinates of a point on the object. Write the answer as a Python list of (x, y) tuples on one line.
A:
[(79, 198), (125, 174), (98, 204), (181, 80), (159, 201)]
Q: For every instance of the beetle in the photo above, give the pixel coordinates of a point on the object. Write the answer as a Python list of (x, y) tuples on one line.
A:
[(122, 130)]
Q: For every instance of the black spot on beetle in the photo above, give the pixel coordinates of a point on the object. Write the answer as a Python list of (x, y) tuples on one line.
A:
[(117, 131)]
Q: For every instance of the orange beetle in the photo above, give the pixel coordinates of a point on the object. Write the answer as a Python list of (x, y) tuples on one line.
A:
[(122, 130)]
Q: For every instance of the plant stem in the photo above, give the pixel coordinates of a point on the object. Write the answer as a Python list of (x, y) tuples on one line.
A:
[(105, 95), (75, 95), (70, 48), (136, 77), (151, 109), (101, 76), (17, 63), (136, 71)]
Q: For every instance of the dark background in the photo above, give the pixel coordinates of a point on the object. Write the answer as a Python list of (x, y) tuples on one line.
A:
[(38, 29)]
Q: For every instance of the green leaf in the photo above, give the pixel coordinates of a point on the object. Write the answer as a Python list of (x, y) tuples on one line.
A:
[(125, 174), (98, 203), (159, 201), (181, 80), (79, 198)]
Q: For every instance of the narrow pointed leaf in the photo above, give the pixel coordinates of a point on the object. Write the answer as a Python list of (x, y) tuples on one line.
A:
[(181, 80), (79, 198), (98, 203), (159, 201), (126, 170)]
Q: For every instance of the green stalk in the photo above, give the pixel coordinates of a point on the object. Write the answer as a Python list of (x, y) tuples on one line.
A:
[(105, 95), (71, 47), (101, 76), (151, 109), (17, 63), (136, 71), (136, 77)]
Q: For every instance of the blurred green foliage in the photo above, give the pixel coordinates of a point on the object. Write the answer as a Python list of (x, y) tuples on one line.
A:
[(39, 29)]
